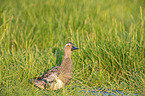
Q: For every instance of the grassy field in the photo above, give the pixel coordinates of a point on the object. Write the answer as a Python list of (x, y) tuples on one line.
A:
[(109, 33)]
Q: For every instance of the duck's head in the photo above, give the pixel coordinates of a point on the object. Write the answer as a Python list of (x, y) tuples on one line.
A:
[(69, 47)]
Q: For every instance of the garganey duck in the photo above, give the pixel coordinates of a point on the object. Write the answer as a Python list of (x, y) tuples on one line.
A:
[(59, 76)]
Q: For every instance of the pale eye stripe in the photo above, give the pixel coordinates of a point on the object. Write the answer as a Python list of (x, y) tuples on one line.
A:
[(67, 44)]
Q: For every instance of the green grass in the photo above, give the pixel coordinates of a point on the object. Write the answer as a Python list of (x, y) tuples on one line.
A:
[(109, 33)]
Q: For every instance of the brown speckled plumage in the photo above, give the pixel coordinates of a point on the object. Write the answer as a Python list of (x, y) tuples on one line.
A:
[(59, 76)]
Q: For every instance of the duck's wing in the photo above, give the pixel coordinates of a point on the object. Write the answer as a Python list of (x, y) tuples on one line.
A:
[(55, 70), (48, 79)]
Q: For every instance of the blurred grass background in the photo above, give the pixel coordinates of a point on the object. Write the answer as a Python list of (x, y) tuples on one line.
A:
[(110, 35)]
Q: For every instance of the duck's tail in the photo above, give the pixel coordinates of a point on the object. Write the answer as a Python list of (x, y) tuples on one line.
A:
[(38, 83)]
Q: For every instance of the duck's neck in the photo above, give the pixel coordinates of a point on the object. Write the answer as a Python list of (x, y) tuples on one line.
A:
[(67, 54), (66, 64)]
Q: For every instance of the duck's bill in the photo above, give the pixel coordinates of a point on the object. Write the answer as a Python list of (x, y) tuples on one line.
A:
[(74, 48)]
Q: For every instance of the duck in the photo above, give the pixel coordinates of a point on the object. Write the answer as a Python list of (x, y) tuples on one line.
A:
[(59, 76)]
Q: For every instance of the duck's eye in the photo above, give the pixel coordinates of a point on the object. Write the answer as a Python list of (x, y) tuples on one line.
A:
[(67, 44)]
